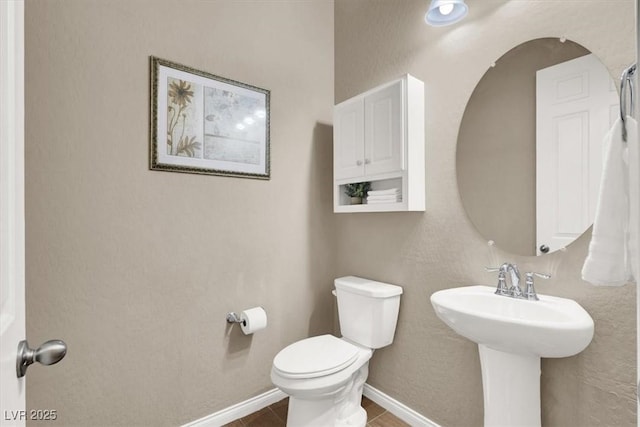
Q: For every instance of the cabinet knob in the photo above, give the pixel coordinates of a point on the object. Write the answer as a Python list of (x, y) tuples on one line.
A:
[(359, 163), (367, 161)]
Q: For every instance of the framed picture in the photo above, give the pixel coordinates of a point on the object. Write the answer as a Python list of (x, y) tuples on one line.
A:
[(202, 123)]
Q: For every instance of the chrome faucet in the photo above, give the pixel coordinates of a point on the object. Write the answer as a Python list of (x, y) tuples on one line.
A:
[(514, 290)]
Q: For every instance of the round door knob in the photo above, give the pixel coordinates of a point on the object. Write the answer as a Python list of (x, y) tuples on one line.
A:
[(367, 161), (359, 163), (47, 354), (544, 249)]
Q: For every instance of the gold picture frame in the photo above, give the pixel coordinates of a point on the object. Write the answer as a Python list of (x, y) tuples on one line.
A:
[(205, 124)]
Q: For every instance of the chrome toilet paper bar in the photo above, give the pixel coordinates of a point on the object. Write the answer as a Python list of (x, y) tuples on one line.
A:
[(233, 317), (251, 320)]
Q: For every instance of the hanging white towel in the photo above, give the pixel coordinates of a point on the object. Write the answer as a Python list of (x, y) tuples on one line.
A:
[(610, 257)]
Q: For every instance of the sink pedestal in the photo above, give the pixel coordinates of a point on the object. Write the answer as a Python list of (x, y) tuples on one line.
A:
[(511, 387), (512, 335)]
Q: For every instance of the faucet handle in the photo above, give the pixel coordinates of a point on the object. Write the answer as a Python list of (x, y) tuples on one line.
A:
[(530, 292), (502, 288), (540, 275)]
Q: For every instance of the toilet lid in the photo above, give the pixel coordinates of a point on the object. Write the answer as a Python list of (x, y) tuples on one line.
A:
[(315, 357)]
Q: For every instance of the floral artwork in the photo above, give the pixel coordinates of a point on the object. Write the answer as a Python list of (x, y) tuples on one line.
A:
[(180, 114), (202, 123)]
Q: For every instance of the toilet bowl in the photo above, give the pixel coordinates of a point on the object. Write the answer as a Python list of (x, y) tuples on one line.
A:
[(322, 369), (324, 375)]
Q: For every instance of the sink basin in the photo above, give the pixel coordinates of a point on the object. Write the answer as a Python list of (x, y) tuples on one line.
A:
[(551, 327), (512, 335)]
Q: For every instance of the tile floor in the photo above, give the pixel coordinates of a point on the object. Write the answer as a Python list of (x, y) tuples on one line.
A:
[(276, 416)]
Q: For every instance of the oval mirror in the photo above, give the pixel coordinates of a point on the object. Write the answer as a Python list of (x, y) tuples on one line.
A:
[(529, 154)]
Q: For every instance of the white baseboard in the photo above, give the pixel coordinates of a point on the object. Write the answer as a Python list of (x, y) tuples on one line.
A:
[(398, 409), (239, 410), (270, 397)]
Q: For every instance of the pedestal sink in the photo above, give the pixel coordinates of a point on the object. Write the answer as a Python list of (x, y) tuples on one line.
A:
[(512, 335)]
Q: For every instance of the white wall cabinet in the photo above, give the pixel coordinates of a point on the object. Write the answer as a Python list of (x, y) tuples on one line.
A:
[(379, 137), (348, 128)]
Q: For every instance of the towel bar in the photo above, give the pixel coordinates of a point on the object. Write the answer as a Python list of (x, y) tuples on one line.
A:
[(626, 81)]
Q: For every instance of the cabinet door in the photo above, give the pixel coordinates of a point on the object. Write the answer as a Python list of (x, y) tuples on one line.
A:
[(384, 131), (348, 137)]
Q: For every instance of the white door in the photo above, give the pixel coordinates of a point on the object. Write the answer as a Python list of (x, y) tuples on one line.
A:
[(576, 105), (384, 132), (348, 134), (12, 321)]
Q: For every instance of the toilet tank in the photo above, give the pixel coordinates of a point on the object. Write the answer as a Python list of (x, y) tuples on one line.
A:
[(368, 310)]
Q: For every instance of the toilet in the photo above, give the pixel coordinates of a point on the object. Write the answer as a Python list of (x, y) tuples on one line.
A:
[(324, 375)]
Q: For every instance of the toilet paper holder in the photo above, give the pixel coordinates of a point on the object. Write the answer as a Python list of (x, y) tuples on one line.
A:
[(233, 317)]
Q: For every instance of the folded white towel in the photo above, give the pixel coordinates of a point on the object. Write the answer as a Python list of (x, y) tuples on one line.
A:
[(384, 198), (379, 202), (609, 261), (392, 191)]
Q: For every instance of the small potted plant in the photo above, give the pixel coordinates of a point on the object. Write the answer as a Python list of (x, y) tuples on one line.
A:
[(357, 191)]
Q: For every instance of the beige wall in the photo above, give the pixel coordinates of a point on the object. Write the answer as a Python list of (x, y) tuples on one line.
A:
[(428, 367), (136, 269), (496, 149)]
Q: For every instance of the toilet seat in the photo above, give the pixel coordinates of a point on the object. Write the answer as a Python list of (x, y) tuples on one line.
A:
[(315, 357)]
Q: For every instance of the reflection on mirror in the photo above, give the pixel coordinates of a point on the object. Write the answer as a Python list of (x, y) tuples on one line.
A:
[(529, 153)]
